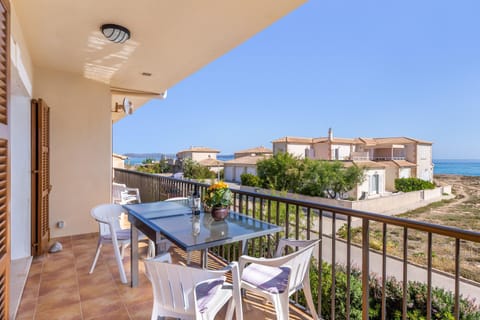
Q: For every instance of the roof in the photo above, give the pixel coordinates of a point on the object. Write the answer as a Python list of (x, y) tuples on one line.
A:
[(300, 140), (392, 140), (119, 156), (199, 150), (398, 163), (364, 164), (247, 160), (337, 140), (211, 163), (260, 149)]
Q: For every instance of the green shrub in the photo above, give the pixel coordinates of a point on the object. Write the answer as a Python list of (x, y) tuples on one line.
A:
[(250, 180), (412, 184), (442, 300)]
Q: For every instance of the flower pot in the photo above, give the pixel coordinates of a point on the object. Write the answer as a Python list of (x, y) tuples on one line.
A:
[(219, 213)]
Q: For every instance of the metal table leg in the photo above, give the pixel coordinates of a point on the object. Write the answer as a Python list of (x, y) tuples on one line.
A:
[(134, 256)]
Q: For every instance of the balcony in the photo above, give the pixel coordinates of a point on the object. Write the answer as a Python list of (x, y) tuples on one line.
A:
[(358, 243), (59, 286)]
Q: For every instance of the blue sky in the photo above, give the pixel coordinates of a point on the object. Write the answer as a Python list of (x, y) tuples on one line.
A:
[(364, 68)]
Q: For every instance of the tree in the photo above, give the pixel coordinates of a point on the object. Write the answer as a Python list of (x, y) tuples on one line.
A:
[(193, 170), (329, 178), (150, 166), (281, 172)]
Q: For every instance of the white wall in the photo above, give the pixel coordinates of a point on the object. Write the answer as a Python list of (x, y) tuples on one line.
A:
[(20, 173), (228, 173), (297, 150), (80, 148), (343, 151)]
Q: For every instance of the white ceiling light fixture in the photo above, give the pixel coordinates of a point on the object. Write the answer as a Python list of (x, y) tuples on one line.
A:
[(115, 32)]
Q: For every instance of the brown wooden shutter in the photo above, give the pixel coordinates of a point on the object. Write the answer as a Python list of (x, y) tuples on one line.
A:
[(4, 159), (40, 177)]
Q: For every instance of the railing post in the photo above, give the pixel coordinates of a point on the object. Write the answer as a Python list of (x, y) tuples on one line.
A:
[(365, 267)]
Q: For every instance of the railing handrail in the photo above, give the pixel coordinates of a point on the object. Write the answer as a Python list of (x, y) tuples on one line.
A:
[(453, 232)]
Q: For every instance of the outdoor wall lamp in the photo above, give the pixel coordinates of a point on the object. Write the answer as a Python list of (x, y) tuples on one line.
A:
[(115, 33)]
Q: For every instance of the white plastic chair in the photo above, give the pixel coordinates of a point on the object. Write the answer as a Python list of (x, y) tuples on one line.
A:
[(122, 194), (110, 231), (278, 278), (191, 293)]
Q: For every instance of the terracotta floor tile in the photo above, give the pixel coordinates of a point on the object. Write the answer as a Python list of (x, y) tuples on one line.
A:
[(58, 298), (101, 305), (121, 314), (65, 312), (49, 287)]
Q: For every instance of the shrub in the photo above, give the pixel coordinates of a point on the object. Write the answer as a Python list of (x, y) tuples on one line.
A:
[(250, 180), (412, 184), (442, 300)]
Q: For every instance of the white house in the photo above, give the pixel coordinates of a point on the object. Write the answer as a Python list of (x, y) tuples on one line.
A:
[(233, 169)]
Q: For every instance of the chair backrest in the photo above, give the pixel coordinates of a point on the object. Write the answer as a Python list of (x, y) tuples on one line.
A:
[(299, 261), (108, 216), (173, 286), (117, 189)]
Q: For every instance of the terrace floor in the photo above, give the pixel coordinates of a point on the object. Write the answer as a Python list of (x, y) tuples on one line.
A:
[(59, 286)]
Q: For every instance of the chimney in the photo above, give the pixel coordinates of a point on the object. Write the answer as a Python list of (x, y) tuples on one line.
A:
[(330, 134)]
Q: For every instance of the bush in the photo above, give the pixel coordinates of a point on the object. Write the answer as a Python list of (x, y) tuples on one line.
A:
[(250, 180), (412, 184), (442, 300)]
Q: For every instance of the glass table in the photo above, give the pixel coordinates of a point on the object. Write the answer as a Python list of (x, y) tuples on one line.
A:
[(174, 220)]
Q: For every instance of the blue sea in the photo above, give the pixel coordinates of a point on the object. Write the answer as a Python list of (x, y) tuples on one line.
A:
[(461, 167)]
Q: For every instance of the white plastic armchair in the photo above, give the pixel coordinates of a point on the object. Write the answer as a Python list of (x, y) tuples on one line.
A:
[(191, 293), (110, 231), (122, 194), (276, 279)]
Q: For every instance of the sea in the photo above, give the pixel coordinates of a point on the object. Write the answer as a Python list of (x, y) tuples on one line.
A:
[(460, 167), (464, 167)]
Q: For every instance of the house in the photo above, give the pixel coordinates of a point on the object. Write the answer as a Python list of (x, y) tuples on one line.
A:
[(245, 161), (233, 169), (57, 53), (399, 157), (198, 154), (258, 151), (118, 161)]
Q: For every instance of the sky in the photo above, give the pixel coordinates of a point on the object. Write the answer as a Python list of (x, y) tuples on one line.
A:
[(363, 68)]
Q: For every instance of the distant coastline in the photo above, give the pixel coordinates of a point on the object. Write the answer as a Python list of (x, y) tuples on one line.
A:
[(464, 167)]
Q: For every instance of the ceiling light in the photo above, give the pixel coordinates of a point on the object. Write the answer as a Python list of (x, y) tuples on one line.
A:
[(115, 33)]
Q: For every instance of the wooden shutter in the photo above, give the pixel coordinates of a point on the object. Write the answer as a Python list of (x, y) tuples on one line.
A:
[(40, 176), (4, 159)]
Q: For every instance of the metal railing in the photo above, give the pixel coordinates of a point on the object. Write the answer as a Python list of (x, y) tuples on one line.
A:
[(308, 220)]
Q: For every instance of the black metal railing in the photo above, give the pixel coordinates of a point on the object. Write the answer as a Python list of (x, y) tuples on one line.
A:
[(307, 220)]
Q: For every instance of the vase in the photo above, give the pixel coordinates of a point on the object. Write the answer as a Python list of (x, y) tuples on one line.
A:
[(219, 213)]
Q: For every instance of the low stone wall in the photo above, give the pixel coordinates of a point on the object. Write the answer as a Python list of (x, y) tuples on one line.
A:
[(390, 204)]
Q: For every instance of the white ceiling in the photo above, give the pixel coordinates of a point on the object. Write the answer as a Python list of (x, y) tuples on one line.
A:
[(171, 39)]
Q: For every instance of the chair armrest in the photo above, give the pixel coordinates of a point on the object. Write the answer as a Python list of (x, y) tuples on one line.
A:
[(272, 262)]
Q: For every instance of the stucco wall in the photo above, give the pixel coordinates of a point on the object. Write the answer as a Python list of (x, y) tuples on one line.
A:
[(424, 162), (391, 204), (321, 151), (198, 156), (343, 152), (81, 150), (297, 150)]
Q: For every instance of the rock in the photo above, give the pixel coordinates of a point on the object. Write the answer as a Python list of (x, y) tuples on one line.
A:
[(56, 247)]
